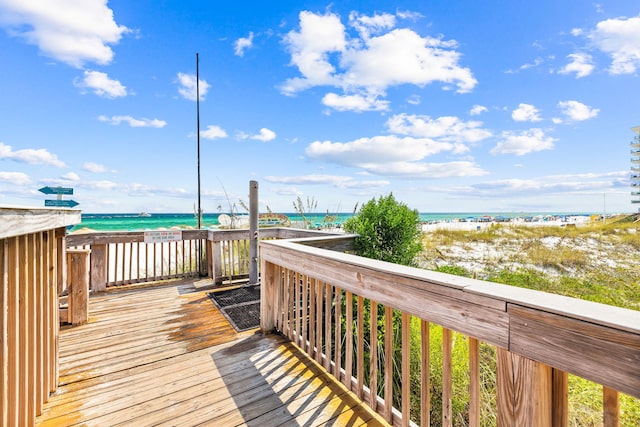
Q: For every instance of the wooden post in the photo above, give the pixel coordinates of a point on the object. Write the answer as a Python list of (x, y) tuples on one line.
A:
[(267, 297), (253, 232), (98, 267), (4, 331), (216, 261), (62, 259), (78, 276), (524, 391)]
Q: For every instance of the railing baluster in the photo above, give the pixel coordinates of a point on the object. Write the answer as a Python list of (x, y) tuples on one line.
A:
[(320, 298), (130, 262), (312, 317), (360, 349), (406, 371), (447, 379), (327, 326), (348, 362), (115, 263), (373, 356), (304, 312), (611, 407), (388, 363), (560, 398), (297, 309), (425, 377), (474, 383), (337, 372)]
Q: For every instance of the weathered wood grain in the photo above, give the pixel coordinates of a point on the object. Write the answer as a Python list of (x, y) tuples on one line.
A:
[(181, 363), (20, 221), (605, 355)]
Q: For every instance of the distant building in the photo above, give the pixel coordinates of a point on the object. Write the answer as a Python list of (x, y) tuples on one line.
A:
[(635, 166)]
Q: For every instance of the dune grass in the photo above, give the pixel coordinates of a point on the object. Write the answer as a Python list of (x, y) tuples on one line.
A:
[(596, 262)]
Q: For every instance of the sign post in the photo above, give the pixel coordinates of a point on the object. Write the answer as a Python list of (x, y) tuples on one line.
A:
[(59, 192)]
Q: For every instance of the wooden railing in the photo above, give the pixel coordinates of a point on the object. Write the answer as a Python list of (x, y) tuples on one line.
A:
[(32, 266), (373, 325), (121, 258)]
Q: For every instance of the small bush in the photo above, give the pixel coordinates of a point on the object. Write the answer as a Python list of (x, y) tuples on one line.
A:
[(387, 230)]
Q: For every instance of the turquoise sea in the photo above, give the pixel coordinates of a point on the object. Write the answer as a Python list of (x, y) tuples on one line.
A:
[(133, 222)]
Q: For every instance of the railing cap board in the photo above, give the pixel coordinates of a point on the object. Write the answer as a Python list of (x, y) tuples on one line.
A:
[(593, 312), (596, 313), (275, 232), (17, 221), (106, 237)]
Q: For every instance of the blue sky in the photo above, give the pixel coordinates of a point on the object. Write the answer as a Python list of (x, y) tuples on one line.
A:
[(465, 106)]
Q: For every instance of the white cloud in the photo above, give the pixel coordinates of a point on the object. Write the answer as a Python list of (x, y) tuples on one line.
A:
[(213, 132), (310, 47), (414, 100), (365, 152), (581, 64), (526, 113), (367, 63), (101, 85), (134, 123), (265, 135), (71, 176), (587, 183), (522, 143), (357, 103), (15, 178), (187, 87), (242, 44), (536, 62), (404, 57), (74, 32), (95, 168), (334, 180), (368, 25), (619, 38), (428, 170), (446, 128), (576, 111), (31, 156), (476, 110)]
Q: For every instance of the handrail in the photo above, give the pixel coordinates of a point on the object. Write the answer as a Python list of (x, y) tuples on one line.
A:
[(122, 257), (538, 337), (32, 266)]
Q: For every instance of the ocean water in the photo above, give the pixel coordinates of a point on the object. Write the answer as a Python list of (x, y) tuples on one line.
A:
[(135, 222)]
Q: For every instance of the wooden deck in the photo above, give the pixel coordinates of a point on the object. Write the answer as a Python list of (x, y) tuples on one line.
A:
[(166, 356)]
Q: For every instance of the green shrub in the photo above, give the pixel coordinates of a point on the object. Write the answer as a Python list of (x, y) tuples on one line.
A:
[(387, 230)]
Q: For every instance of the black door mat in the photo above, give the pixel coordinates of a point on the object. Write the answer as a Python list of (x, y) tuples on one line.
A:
[(241, 306), (236, 296), (244, 317)]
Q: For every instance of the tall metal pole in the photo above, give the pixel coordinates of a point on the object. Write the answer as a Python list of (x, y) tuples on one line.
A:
[(198, 120)]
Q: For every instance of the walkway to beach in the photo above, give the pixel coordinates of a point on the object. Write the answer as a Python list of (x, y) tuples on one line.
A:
[(167, 356)]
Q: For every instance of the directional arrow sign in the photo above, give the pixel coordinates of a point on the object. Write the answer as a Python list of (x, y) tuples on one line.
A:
[(61, 203), (56, 190)]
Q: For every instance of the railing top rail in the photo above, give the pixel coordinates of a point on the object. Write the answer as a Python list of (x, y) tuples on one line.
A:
[(16, 221), (106, 237), (430, 281), (274, 232)]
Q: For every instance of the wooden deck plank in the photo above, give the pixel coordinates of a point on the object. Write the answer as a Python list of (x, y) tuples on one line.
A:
[(167, 355)]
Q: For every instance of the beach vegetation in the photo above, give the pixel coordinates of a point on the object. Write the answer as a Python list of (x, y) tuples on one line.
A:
[(387, 230), (596, 261), (304, 210)]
